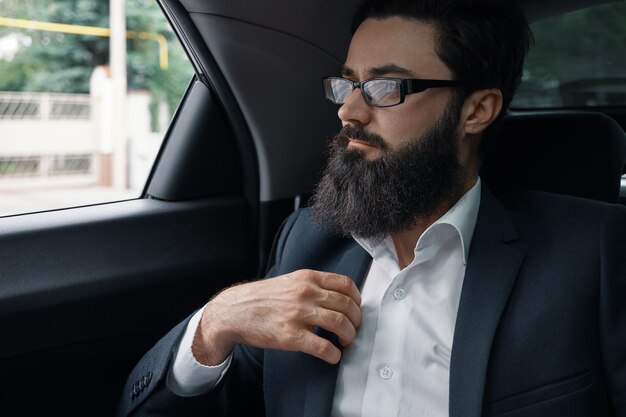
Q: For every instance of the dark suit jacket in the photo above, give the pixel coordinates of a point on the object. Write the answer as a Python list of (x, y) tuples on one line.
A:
[(540, 331)]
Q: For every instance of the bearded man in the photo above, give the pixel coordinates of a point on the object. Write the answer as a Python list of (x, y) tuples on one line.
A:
[(408, 289)]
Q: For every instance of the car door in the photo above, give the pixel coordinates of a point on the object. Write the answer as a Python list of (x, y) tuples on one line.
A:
[(85, 291)]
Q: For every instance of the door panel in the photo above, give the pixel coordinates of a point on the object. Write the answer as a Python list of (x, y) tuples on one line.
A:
[(85, 292)]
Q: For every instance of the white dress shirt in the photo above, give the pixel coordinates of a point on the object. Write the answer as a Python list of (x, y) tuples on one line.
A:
[(399, 363)]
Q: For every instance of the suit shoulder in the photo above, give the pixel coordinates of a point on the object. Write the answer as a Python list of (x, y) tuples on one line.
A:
[(540, 201), (303, 221), (567, 214), (305, 243)]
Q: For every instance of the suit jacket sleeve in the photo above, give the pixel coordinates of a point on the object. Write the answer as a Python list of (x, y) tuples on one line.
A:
[(240, 393)]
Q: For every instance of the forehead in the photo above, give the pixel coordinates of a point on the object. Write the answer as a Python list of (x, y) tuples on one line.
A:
[(395, 41)]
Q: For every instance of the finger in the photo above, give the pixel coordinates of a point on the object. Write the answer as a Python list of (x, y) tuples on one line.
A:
[(319, 347), (333, 322), (343, 304), (338, 283)]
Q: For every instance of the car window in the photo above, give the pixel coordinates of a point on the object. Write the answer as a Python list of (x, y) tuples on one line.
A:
[(579, 60), (66, 137)]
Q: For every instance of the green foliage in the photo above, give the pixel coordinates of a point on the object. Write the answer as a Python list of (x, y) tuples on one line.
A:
[(60, 62), (578, 60), (51, 61), (589, 43)]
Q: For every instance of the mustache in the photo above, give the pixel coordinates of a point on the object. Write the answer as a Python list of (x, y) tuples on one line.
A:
[(357, 132)]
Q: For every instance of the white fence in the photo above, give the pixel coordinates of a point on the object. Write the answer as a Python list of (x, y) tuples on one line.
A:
[(46, 136), (49, 138), (44, 106)]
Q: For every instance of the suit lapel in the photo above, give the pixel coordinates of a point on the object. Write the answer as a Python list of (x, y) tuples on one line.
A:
[(492, 269), (302, 385), (322, 380)]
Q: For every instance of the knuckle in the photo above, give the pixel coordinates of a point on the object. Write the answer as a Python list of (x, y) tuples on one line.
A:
[(338, 320), (346, 303), (301, 290), (345, 282), (358, 314), (351, 333), (306, 274), (323, 348)]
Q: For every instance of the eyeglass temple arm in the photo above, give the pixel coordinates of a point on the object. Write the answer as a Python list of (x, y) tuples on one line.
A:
[(416, 86)]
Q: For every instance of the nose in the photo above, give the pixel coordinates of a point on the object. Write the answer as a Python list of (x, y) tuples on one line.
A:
[(355, 110)]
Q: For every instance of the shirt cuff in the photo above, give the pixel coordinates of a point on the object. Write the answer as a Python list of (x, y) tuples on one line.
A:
[(188, 377)]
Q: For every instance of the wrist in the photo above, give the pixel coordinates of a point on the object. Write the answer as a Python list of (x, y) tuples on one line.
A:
[(211, 345)]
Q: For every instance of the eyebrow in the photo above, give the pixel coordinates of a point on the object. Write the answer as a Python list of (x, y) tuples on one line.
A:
[(380, 71)]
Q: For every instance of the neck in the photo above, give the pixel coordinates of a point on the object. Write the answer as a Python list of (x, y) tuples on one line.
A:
[(406, 241)]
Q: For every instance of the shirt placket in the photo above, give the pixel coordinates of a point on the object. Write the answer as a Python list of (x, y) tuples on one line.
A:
[(385, 368)]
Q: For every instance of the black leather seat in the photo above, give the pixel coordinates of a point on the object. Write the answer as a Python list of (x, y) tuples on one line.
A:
[(574, 153)]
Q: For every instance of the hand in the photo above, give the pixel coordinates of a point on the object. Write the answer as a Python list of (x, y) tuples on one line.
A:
[(280, 313)]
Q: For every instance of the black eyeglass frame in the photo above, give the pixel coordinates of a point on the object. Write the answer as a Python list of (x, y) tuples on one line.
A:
[(407, 86)]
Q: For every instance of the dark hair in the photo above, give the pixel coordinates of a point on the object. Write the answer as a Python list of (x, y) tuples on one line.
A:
[(483, 42)]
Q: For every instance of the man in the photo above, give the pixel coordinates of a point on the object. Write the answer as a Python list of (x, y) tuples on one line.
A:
[(408, 289)]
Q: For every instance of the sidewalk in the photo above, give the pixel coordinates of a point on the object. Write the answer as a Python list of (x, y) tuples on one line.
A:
[(20, 201)]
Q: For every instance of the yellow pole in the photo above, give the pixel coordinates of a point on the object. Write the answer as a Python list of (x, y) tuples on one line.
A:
[(89, 30)]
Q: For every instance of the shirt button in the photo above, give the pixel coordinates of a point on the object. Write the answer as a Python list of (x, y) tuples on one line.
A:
[(386, 372), (399, 294)]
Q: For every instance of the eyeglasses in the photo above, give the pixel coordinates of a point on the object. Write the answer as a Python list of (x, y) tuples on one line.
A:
[(381, 92)]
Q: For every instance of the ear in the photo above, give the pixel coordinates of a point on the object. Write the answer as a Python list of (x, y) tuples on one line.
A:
[(480, 109)]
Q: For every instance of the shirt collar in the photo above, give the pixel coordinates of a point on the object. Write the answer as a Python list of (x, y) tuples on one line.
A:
[(462, 217)]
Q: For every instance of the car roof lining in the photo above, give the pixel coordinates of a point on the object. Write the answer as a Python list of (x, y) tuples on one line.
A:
[(272, 55)]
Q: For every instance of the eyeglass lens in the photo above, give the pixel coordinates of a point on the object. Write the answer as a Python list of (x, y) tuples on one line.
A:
[(382, 92), (337, 89), (378, 92)]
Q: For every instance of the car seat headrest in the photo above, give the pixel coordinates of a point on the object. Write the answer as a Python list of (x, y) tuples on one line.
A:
[(574, 153)]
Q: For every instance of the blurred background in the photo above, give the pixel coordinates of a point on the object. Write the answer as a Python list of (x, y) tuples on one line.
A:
[(87, 90)]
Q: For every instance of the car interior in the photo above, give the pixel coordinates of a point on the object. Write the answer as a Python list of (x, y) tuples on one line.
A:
[(85, 291), (550, 151)]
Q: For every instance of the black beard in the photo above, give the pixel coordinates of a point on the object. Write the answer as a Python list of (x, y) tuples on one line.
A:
[(373, 198)]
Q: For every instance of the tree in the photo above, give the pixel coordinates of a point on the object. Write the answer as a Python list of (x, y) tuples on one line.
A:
[(60, 62)]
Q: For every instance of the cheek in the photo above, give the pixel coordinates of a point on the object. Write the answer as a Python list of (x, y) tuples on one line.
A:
[(413, 118), (402, 126)]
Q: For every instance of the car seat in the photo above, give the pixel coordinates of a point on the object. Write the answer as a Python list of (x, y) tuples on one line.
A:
[(575, 153)]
